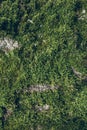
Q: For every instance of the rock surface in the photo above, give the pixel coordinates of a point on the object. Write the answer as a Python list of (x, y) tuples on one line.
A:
[(40, 88), (45, 107), (7, 44), (79, 75)]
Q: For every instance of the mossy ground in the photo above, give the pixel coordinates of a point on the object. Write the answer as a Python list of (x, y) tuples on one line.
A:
[(53, 39)]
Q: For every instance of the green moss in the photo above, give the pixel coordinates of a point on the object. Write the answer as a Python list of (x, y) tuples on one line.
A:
[(52, 37)]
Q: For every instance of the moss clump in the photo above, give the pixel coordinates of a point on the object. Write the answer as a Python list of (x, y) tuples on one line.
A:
[(53, 49)]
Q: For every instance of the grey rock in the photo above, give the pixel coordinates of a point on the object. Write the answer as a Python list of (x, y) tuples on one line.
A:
[(45, 107), (40, 88), (8, 44)]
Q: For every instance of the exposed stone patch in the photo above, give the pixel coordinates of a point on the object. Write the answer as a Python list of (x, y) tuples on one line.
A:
[(40, 88), (7, 44), (83, 11), (45, 107), (29, 20), (8, 113), (79, 75), (83, 15)]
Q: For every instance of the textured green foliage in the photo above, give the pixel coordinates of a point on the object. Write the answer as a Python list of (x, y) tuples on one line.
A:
[(53, 40)]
